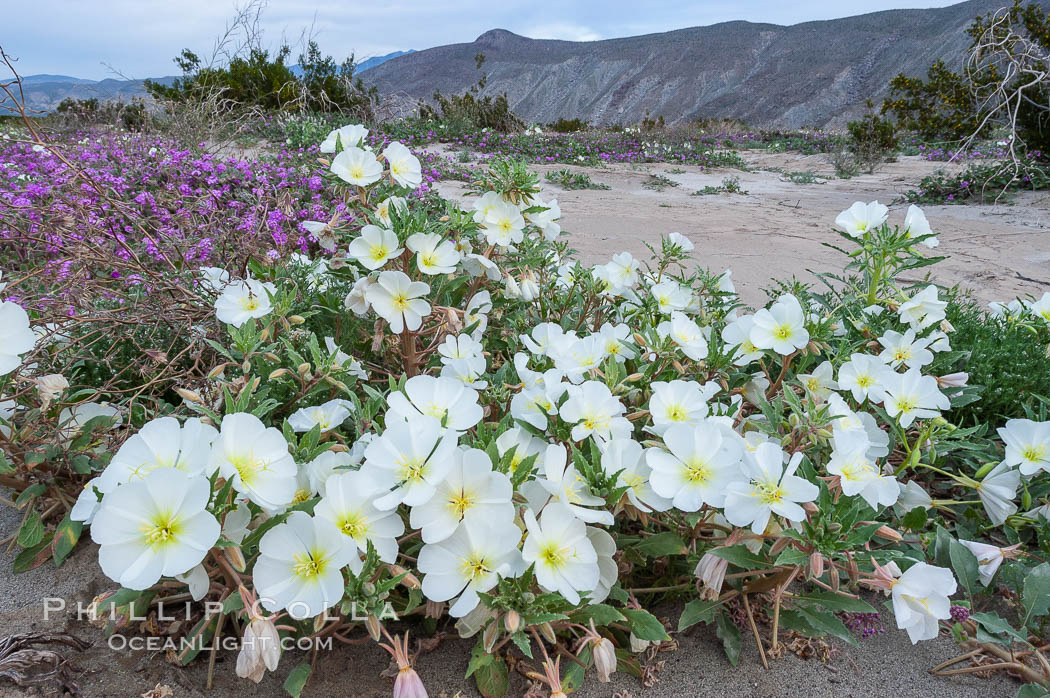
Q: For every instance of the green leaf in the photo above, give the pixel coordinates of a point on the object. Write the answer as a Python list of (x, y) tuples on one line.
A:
[(32, 530), (965, 565), (600, 613), (1032, 690), (740, 556), (573, 674), (30, 493), (915, 519), (826, 623), (5, 467), (645, 625), (730, 636), (297, 678), (662, 545), (31, 558), (1035, 598), (997, 626), (66, 536), (523, 642), (233, 602), (492, 678), (697, 611), (837, 602), (791, 557)]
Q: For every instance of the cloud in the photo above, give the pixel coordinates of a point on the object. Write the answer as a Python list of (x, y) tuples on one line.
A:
[(562, 30)]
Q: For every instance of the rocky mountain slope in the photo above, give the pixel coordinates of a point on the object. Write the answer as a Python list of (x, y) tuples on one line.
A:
[(810, 74)]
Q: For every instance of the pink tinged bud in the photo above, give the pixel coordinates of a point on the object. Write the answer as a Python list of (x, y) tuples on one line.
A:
[(548, 633), (604, 659), (408, 684), (816, 565), (512, 621), (887, 533), (953, 380), (490, 636), (711, 570), (374, 627), (810, 507)]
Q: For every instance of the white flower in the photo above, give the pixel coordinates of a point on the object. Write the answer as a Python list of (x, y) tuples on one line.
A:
[(460, 346), (349, 136), (343, 360), (702, 461), (781, 327), (532, 405), (327, 416), (477, 311), (622, 271), (466, 371), (357, 167), (433, 256), (916, 225), (997, 492), (923, 309), (320, 469), (578, 357), (404, 166), (861, 422), (677, 402), (565, 483), (911, 395), (738, 334), (608, 571), (546, 220), (471, 491), (446, 399), (87, 504), (471, 560), (486, 204), (300, 566), (391, 203), (260, 649), (214, 279), (858, 473), (72, 419), (374, 247), (398, 299), (197, 582), (686, 334), (821, 382), (617, 342), (862, 375), (357, 300), (681, 241), (520, 444), (244, 300), (503, 225), (625, 458), (256, 459), (772, 488), (479, 265), (593, 410), (920, 600), (348, 504), (905, 349), (912, 495), (1011, 309), (410, 458), (859, 218), (545, 337), (989, 558), (1041, 308), (160, 443), (1027, 445), (671, 295), (565, 559), (155, 527)]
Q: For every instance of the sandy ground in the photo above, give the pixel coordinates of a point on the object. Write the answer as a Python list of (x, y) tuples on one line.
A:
[(775, 231), (779, 228)]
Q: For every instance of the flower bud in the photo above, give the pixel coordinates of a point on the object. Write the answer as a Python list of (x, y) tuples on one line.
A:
[(489, 637), (296, 319), (368, 589), (633, 377), (246, 367), (274, 375), (812, 508), (373, 627), (217, 371), (512, 621), (189, 395), (639, 340), (548, 633), (303, 369), (265, 334), (235, 557), (409, 581), (270, 356), (604, 659), (816, 564), (889, 534)]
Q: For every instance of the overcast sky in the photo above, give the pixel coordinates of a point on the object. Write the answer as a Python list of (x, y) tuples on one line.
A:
[(140, 37)]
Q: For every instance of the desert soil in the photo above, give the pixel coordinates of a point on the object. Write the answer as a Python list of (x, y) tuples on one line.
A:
[(775, 231)]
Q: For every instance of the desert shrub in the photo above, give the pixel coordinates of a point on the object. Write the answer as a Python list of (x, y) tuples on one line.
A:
[(980, 182), (567, 125), (658, 182), (471, 110), (845, 163), (79, 113), (649, 123), (872, 139), (941, 107), (803, 177), (567, 179), (729, 185)]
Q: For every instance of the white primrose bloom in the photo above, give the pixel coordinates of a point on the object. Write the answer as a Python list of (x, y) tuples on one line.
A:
[(460, 346), (546, 221), (390, 203), (920, 600), (905, 349), (622, 271), (398, 299), (563, 482), (357, 167), (770, 488), (154, 527), (533, 405), (88, 502), (681, 241), (375, 247), (912, 495), (923, 309), (214, 279), (1041, 308), (410, 458), (350, 136), (486, 204), (781, 327), (858, 473), (348, 504), (196, 581), (861, 422), (343, 360), (477, 311), (821, 382), (565, 559), (300, 566), (686, 334), (989, 558), (433, 255), (480, 265), (671, 295), (916, 225), (72, 419), (453, 404), (545, 337), (469, 561), (862, 376), (676, 402), (626, 459), (160, 443), (911, 395), (327, 416), (700, 463), (594, 410), (503, 225), (242, 301), (320, 469), (357, 300), (520, 444), (1014, 308), (859, 218), (1027, 445), (997, 492), (466, 371), (578, 357), (404, 166), (618, 343), (256, 459), (608, 571), (471, 492), (738, 334)]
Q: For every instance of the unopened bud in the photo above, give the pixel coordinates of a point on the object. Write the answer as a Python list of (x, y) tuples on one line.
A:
[(246, 367), (889, 534), (303, 369), (189, 395), (794, 420), (812, 508), (489, 637), (368, 589), (548, 633), (633, 377), (217, 371), (296, 319), (512, 621), (640, 340), (373, 626), (270, 356), (265, 334), (816, 565), (235, 557), (319, 621), (813, 348), (409, 581), (778, 545), (274, 375)]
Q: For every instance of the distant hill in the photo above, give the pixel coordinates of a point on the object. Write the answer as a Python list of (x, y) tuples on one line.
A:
[(372, 62), (810, 74)]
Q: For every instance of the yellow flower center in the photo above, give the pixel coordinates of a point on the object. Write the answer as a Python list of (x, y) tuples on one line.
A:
[(310, 565), (460, 501), (865, 381), (247, 467), (353, 524), (357, 172), (249, 303), (769, 492), (1033, 453), (161, 530), (378, 252), (905, 403), (400, 301), (782, 332), (411, 470), (429, 259), (475, 566), (697, 471), (676, 413), (300, 496), (553, 556)]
